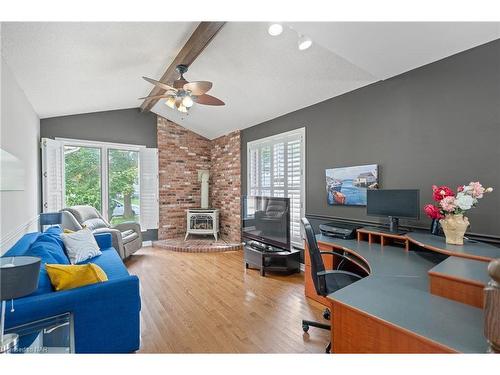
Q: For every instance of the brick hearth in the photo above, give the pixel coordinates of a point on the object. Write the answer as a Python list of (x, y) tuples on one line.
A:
[(197, 245)]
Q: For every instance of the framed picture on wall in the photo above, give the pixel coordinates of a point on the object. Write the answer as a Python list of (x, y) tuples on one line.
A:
[(347, 186)]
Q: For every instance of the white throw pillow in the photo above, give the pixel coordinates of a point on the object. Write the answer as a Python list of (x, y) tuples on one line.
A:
[(80, 245)]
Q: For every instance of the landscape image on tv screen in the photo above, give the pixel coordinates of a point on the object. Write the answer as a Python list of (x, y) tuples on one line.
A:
[(346, 186)]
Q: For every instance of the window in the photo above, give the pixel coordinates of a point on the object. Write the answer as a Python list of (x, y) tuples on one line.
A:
[(275, 168), (123, 186), (121, 181), (82, 177)]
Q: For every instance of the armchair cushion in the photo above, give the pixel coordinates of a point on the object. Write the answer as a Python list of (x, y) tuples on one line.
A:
[(95, 223)]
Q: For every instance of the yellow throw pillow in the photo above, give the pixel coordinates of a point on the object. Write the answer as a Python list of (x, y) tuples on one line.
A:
[(67, 231), (64, 276)]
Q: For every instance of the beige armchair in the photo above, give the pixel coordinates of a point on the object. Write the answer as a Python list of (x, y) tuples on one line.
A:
[(127, 237)]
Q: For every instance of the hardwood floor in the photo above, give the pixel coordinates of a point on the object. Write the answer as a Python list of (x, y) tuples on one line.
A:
[(209, 303)]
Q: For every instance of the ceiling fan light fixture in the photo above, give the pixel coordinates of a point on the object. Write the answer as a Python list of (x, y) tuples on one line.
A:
[(170, 102), (275, 29), (187, 101), (304, 42), (182, 109)]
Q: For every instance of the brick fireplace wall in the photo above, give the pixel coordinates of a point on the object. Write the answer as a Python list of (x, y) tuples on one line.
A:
[(225, 184), (181, 154)]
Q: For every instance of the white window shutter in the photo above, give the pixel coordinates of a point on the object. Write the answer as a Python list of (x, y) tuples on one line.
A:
[(52, 175), (275, 168), (149, 216)]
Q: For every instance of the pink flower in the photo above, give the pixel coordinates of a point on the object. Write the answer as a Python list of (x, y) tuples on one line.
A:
[(476, 190), (460, 188), (432, 211), (448, 204), (440, 192)]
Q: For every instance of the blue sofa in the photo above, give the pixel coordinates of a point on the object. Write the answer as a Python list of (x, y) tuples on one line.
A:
[(106, 315)]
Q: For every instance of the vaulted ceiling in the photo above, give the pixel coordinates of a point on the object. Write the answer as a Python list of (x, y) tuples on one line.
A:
[(71, 68)]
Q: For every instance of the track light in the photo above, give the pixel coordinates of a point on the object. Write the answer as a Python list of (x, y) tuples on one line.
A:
[(275, 29), (304, 43)]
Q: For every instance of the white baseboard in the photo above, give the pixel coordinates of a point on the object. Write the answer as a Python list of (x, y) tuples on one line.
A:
[(147, 243)]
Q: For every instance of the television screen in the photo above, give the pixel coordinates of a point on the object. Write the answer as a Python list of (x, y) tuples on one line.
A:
[(391, 202), (347, 186), (267, 220)]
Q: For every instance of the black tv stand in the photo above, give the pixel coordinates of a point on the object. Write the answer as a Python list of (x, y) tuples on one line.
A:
[(268, 258)]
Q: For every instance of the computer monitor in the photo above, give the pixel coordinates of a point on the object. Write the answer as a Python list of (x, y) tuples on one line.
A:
[(394, 203)]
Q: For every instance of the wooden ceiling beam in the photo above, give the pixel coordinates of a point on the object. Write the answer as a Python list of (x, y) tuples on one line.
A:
[(198, 41)]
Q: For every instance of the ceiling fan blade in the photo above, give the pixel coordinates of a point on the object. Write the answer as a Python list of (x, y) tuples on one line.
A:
[(159, 84), (198, 87), (209, 100), (166, 95)]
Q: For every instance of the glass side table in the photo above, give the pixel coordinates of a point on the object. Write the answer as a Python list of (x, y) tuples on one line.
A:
[(46, 336)]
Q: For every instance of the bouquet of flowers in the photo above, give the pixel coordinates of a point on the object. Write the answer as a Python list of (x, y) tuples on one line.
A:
[(450, 207), (451, 203)]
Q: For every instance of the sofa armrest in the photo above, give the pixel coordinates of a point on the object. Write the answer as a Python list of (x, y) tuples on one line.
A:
[(100, 313), (104, 240)]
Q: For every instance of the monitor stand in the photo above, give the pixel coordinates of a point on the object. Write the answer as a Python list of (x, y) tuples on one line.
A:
[(394, 225)]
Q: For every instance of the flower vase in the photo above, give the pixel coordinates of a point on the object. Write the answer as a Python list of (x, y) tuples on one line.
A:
[(454, 227)]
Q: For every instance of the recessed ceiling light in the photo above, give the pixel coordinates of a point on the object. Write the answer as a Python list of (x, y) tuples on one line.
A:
[(304, 43), (275, 29)]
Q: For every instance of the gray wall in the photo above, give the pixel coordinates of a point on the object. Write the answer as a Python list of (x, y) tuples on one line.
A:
[(438, 124), (121, 126)]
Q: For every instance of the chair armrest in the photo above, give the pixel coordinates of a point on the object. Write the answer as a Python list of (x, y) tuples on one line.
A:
[(136, 227), (116, 239), (327, 272), (104, 240)]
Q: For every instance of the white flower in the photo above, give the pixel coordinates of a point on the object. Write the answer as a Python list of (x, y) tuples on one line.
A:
[(489, 190), (464, 201)]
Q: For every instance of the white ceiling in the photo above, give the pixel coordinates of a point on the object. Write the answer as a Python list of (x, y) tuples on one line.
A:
[(70, 68), (67, 68)]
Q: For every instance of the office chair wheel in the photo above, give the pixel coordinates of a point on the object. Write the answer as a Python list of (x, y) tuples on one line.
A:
[(326, 314), (305, 327)]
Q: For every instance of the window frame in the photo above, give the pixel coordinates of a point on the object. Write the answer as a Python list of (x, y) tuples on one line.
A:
[(258, 144), (104, 147)]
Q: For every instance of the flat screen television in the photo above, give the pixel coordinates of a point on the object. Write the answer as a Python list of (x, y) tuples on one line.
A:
[(394, 203), (267, 220)]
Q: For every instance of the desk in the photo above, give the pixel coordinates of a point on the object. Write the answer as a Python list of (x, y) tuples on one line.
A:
[(392, 309)]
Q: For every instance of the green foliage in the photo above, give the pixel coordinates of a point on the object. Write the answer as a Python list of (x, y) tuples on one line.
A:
[(83, 177), (123, 174)]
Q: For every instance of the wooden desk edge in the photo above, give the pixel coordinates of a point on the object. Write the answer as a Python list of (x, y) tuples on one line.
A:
[(450, 253), (456, 278), (413, 339)]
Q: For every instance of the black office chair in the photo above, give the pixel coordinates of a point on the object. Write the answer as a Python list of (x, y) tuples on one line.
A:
[(325, 281)]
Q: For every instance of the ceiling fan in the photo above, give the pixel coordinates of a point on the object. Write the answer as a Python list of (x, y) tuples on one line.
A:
[(183, 94)]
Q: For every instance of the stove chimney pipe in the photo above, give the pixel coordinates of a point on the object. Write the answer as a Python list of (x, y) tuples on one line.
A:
[(203, 177)]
